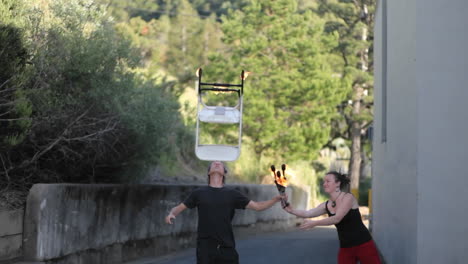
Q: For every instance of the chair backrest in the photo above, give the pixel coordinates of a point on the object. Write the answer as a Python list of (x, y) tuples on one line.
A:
[(219, 114)]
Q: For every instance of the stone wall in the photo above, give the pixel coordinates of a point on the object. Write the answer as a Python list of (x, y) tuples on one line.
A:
[(11, 234), (70, 223)]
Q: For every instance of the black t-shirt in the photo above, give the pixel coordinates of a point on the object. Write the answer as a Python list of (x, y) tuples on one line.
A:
[(216, 207)]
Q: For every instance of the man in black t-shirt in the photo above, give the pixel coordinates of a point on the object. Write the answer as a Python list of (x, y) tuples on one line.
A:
[(216, 206)]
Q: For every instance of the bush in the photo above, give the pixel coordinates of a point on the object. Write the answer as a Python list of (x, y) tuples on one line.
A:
[(14, 108), (90, 117)]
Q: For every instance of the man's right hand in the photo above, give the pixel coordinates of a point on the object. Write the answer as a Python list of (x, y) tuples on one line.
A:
[(169, 218), (175, 211)]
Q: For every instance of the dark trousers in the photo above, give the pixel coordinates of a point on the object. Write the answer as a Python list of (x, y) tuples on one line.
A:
[(211, 252)]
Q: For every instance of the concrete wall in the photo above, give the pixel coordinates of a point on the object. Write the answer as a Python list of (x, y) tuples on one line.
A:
[(11, 234), (69, 223), (394, 161), (421, 75), (443, 137)]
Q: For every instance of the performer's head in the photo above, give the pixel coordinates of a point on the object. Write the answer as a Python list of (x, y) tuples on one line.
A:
[(217, 168), (335, 182)]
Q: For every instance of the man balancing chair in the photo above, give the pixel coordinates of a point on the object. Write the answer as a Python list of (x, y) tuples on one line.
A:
[(220, 114)]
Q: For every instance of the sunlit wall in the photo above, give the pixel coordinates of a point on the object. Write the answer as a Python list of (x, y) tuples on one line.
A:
[(420, 159)]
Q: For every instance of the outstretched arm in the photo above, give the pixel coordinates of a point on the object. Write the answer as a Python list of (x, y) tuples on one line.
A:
[(341, 211), (174, 212), (314, 212), (260, 206)]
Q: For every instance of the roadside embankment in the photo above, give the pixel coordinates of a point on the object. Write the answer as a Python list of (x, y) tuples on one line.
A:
[(72, 223)]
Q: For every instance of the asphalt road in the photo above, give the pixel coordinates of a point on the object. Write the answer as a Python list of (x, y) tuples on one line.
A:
[(319, 245)]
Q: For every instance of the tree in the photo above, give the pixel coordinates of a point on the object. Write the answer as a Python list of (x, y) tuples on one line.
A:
[(185, 44), (292, 92), (91, 116), (123, 10), (218, 7), (15, 109), (353, 22)]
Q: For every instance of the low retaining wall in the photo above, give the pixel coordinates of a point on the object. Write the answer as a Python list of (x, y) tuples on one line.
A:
[(11, 234), (71, 223)]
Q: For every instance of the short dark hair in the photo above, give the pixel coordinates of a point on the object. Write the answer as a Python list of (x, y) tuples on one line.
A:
[(341, 177), (225, 172)]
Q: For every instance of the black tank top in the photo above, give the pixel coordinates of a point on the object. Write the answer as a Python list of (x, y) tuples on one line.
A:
[(351, 231)]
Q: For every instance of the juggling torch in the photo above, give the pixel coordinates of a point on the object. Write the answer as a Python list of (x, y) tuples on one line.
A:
[(281, 182)]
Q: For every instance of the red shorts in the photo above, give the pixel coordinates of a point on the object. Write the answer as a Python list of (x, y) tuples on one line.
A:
[(366, 253)]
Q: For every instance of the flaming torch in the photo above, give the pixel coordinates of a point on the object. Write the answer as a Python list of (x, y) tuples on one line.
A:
[(281, 182)]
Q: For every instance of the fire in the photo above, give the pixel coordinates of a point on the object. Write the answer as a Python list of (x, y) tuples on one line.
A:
[(281, 182), (281, 179), (246, 74)]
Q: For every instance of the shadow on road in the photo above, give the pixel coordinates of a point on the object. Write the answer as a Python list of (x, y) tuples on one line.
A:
[(319, 245)]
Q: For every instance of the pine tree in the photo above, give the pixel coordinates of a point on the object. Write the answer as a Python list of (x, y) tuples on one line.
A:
[(353, 22), (184, 43), (292, 92), (123, 10)]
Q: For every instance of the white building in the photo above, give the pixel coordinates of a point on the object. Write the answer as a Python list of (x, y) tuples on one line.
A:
[(420, 144)]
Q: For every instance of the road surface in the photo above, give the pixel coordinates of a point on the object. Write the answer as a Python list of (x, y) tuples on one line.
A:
[(319, 245)]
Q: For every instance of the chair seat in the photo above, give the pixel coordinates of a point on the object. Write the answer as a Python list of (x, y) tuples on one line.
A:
[(217, 152), (219, 114)]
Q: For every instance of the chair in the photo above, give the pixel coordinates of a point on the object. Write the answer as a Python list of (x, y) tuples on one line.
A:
[(219, 114)]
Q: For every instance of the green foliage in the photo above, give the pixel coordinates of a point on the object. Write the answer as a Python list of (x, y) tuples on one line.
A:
[(302, 174), (184, 51), (364, 187), (125, 10), (219, 7), (95, 83), (174, 43), (250, 167), (291, 95), (15, 109), (12, 12), (92, 116), (350, 21), (353, 22), (153, 120)]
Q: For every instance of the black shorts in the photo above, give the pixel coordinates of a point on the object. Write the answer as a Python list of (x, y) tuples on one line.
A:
[(211, 252)]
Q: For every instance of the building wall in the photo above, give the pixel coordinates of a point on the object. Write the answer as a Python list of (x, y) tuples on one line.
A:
[(420, 145), (394, 176), (442, 82)]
